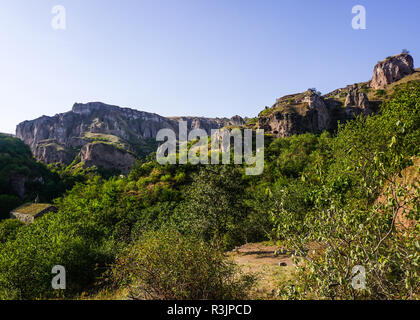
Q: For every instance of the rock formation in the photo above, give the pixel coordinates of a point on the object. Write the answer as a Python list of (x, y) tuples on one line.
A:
[(68, 130), (295, 114), (65, 136), (236, 121), (392, 69), (201, 123), (356, 98), (107, 156), (112, 137), (309, 112)]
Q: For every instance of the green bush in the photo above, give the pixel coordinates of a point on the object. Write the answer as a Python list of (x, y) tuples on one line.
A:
[(265, 112), (380, 93), (55, 239), (9, 229), (166, 265)]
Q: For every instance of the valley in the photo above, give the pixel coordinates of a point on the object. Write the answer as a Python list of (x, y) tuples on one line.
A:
[(339, 190)]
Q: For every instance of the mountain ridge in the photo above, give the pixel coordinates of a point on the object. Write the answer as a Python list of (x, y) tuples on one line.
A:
[(81, 136), (127, 133)]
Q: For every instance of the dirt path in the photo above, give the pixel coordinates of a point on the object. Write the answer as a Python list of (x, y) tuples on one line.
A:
[(272, 266)]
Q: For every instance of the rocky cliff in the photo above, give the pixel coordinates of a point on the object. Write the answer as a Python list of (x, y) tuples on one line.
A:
[(89, 131), (295, 114), (103, 135), (392, 69), (106, 156), (356, 98), (311, 112)]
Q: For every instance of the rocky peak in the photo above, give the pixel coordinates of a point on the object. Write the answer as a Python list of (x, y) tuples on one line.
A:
[(111, 111), (356, 98), (87, 108), (295, 114), (236, 121), (392, 69)]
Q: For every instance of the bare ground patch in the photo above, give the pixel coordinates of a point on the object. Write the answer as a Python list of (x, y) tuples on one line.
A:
[(272, 264)]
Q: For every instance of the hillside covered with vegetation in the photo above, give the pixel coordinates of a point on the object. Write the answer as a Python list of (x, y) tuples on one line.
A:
[(23, 179), (162, 231)]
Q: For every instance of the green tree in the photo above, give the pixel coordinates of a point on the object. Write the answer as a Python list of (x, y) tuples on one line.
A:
[(214, 204)]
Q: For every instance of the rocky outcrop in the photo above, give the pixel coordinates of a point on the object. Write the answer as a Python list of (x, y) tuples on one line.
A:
[(107, 156), (295, 114), (127, 133), (310, 112), (392, 69), (317, 104), (68, 130), (236, 121), (63, 137), (356, 98), (52, 153), (345, 104), (204, 123)]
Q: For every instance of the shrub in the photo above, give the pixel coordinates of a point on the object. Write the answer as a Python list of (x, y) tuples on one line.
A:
[(9, 229), (166, 265), (265, 112), (7, 204), (380, 93), (55, 239)]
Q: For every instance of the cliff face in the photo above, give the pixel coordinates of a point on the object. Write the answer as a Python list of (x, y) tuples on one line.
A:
[(295, 114), (76, 134), (69, 130), (107, 156), (355, 97), (202, 123), (65, 136), (310, 112), (392, 69)]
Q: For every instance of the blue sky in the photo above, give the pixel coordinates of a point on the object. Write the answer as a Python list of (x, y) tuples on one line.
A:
[(190, 57)]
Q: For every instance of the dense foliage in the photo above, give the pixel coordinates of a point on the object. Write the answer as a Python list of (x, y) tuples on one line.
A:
[(351, 215), (337, 200), (23, 179), (171, 266)]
